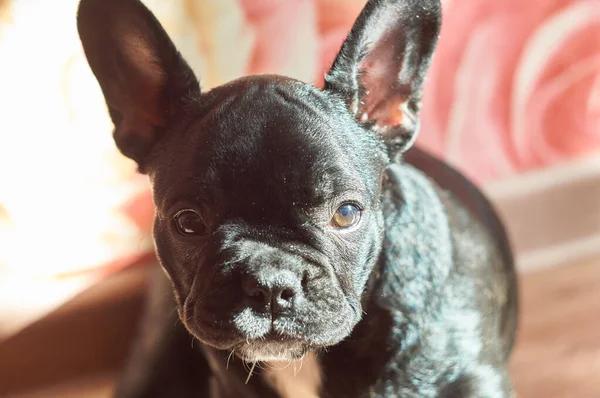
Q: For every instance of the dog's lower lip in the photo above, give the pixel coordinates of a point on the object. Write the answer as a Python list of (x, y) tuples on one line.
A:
[(273, 349), (277, 338)]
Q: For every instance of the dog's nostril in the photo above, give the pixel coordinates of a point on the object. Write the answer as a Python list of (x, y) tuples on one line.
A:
[(287, 294), (284, 299), (259, 296), (256, 293)]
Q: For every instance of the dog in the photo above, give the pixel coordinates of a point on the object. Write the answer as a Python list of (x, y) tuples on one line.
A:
[(308, 247)]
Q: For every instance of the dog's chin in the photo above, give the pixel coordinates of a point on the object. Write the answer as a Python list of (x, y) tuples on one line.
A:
[(271, 351), (264, 349)]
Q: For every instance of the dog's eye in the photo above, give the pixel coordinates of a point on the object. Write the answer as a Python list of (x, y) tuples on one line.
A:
[(346, 216), (189, 222)]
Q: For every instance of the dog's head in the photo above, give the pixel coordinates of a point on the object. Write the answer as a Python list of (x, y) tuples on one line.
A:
[(267, 189)]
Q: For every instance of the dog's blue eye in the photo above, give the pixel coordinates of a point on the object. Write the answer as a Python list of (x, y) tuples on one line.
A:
[(346, 216), (189, 223)]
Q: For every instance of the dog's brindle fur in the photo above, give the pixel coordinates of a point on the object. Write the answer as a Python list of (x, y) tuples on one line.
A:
[(417, 300)]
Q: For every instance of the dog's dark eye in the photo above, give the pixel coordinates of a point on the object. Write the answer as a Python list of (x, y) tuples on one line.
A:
[(346, 216), (189, 222)]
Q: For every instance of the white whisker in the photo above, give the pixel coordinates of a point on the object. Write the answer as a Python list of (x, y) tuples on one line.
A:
[(250, 373), (229, 358)]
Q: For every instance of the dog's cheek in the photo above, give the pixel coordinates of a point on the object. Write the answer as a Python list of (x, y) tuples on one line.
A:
[(327, 315), (174, 258), (367, 250)]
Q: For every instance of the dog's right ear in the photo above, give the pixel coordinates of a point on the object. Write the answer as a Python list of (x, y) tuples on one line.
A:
[(143, 77)]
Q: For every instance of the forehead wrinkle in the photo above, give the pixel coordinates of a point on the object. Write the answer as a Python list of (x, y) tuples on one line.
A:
[(334, 185), (307, 99)]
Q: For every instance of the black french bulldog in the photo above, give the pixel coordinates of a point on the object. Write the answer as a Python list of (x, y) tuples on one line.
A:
[(294, 225)]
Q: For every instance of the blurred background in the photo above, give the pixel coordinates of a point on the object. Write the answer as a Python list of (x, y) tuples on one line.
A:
[(512, 100)]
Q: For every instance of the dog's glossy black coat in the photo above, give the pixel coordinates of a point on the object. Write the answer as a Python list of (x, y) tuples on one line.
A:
[(418, 300)]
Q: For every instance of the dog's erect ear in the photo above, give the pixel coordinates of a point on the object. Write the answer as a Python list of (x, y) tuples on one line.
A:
[(380, 68), (143, 77)]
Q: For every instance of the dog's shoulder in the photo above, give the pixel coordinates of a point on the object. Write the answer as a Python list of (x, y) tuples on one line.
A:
[(444, 277), (483, 259)]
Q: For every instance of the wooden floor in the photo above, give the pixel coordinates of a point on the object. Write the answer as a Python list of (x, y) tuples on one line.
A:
[(557, 353)]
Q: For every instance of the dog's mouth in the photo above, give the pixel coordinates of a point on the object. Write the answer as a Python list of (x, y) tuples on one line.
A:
[(269, 346), (232, 324), (271, 349), (258, 338)]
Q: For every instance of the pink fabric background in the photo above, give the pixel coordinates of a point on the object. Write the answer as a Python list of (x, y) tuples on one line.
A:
[(514, 86)]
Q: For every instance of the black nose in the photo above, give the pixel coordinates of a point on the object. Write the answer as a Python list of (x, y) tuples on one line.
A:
[(272, 290)]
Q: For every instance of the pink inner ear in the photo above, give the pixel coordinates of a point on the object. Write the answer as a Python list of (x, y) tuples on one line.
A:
[(389, 112), (380, 77)]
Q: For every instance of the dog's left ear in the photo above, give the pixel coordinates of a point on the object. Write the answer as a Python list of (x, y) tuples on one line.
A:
[(381, 66)]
